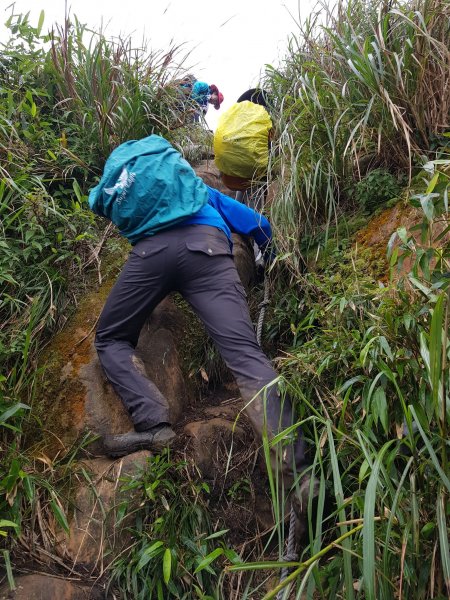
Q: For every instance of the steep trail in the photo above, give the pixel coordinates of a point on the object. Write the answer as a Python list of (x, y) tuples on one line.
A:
[(76, 402)]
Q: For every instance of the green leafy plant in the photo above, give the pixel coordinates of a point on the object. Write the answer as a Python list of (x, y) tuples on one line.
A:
[(240, 489), (357, 88), (174, 552), (67, 98), (35, 493), (370, 371), (376, 188)]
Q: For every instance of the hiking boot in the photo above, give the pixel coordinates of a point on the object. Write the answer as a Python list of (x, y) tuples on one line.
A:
[(157, 438)]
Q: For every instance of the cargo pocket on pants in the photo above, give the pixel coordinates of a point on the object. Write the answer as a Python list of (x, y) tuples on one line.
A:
[(148, 248), (211, 246)]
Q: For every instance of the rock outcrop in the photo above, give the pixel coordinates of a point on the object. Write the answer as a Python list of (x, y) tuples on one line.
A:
[(93, 532), (45, 587)]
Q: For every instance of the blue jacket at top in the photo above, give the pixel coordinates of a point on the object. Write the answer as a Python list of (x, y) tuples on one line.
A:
[(200, 93), (147, 187)]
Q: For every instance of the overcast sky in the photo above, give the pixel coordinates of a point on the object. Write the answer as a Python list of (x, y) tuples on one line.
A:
[(231, 40)]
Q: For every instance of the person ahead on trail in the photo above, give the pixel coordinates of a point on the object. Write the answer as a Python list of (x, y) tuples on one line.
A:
[(242, 142), (180, 230), (202, 94), (205, 94), (257, 96)]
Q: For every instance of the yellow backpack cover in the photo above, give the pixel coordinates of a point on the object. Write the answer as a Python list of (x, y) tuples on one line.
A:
[(241, 141)]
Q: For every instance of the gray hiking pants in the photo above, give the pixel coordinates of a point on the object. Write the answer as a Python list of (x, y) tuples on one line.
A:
[(197, 262)]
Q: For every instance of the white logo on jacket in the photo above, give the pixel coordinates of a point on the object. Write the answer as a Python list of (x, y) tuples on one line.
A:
[(122, 185)]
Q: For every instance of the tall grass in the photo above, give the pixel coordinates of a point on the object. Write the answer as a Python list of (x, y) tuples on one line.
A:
[(369, 368), (67, 98), (64, 104), (363, 85), (112, 89)]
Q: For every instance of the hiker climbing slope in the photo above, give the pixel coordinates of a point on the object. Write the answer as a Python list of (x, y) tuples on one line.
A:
[(201, 95), (242, 144), (180, 230)]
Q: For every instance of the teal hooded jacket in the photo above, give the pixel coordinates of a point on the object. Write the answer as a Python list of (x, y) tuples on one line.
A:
[(147, 186)]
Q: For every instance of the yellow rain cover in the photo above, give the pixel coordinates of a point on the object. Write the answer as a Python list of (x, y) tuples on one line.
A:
[(241, 141)]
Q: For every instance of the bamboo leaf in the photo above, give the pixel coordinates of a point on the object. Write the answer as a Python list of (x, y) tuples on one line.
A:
[(208, 559), (391, 243), (9, 571), (77, 190), (40, 22), (402, 234), (167, 565), (433, 183), (217, 534), (379, 407), (149, 553), (8, 523), (385, 345), (12, 411), (443, 538), (369, 560), (59, 514), (435, 348), (427, 207)]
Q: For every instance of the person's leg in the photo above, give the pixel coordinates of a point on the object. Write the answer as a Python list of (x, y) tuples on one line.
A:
[(142, 284), (210, 283)]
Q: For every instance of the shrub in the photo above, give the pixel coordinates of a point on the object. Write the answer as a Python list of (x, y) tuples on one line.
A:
[(376, 188)]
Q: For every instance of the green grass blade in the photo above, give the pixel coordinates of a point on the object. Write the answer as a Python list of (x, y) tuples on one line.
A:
[(339, 495), (370, 499), (436, 349), (443, 537), (434, 459), (8, 569)]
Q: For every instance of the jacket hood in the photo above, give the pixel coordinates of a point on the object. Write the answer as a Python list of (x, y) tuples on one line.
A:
[(147, 186)]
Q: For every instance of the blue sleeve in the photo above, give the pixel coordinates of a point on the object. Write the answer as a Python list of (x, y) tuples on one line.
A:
[(241, 218)]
